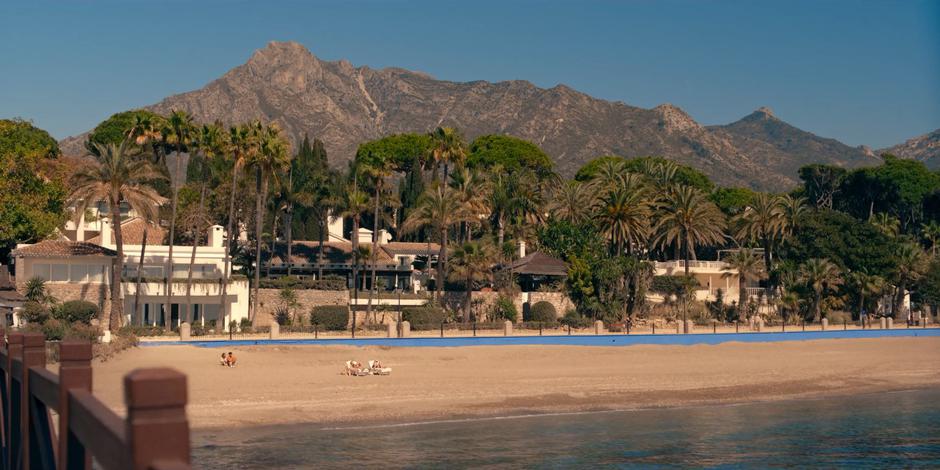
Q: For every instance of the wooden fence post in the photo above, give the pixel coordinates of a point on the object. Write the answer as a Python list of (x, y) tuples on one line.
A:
[(34, 355), (156, 413), (12, 423), (74, 374)]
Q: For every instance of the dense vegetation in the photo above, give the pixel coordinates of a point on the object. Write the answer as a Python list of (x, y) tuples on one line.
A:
[(843, 240)]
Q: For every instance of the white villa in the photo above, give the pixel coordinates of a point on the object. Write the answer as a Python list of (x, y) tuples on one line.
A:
[(79, 269)]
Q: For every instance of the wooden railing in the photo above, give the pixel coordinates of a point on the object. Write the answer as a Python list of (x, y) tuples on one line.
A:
[(154, 435)]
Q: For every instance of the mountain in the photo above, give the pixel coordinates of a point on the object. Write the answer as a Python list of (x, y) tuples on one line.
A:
[(925, 148), (345, 105)]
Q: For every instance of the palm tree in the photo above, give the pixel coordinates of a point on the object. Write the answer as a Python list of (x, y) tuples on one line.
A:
[(820, 275), (912, 264), (179, 132), (572, 201), (747, 265), (609, 173), (145, 131), (864, 285), (447, 146), (272, 157), (622, 214), (472, 262), (762, 221), (241, 145), (378, 172), (117, 176), (439, 210), (210, 143), (687, 220), (353, 204), (793, 209), (931, 234), (886, 224), (287, 197), (470, 188)]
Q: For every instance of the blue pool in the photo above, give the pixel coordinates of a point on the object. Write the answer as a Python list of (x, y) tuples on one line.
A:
[(575, 340)]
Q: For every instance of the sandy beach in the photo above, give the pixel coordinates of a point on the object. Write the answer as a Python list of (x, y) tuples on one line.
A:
[(302, 384)]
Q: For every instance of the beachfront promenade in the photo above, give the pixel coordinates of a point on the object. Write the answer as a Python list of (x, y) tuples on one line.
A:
[(469, 336)]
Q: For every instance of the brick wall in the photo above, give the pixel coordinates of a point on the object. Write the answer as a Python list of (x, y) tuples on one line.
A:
[(96, 293)]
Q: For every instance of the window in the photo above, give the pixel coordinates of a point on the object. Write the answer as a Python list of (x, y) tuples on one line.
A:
[(79, 273), (41, 271), (60, 273), (153, 271), (96, 272)]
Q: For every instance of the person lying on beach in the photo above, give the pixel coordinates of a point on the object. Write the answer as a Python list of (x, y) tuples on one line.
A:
[(230, 360), (355, 368), (376, 368)]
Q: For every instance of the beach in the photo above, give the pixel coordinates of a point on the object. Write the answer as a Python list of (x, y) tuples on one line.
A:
[(302, 384)]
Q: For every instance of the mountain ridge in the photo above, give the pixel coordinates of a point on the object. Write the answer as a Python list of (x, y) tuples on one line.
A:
[(345, 105)]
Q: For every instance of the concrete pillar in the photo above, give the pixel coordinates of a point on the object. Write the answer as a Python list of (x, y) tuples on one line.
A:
[(884, 323), (825, 324), (890, 322), (185, 332), (275, 330), (392, 329), (599, 328), (106, 337), (507, 328), (689, 326), (405, 329), (759, 324)]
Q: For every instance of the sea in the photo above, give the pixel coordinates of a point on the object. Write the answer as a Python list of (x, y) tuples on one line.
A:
[(879, 430)]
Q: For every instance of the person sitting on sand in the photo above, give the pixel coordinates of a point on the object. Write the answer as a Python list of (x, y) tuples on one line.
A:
[(230, 360), (223, 361)]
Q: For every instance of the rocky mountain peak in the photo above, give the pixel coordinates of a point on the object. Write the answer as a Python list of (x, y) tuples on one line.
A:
[(674, 119)]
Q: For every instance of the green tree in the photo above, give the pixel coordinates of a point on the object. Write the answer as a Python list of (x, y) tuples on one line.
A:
[(852, 244), (821, 276), (179, 132), (32, 194), (747, 265), (763, 221), (622, 214), (118, 176), (271, 158), (510, 154), (572, 201), (687, 219), (912, 264), (821, 183), (239, 148), (472, 261), (114, 129), (447, 147)]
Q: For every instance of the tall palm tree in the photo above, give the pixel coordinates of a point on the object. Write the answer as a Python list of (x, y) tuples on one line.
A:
[(912, 264), (793, 209), (572, 201), (470, 188), (240, 147), (209, 143), (377, 172), (447, 146), (820, 275), (687, 220), (118, 176), (438, 209), (289, 196), (179, 133), (763, 221), (609, 173), (472, 262), (353, 203), (146, 133), (623, 213), (271, 158), (747, 265)]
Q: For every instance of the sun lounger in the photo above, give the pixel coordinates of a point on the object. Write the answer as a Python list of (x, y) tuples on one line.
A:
[(379, 370), (352, 369)]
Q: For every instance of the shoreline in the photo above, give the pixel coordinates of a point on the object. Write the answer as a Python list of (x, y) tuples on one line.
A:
[(288, 385)]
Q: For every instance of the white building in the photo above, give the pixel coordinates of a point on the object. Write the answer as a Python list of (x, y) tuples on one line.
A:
[(80, 270)]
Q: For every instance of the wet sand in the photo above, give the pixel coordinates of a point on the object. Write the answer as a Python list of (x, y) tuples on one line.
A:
[(302, 384)]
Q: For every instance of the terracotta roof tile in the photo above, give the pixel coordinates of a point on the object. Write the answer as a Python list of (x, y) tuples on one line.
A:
[(132, 230), (306, 252), (62, 248), (539, 263), (411, 248)]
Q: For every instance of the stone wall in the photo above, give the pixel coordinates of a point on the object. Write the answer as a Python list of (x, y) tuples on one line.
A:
[(559, 299), (270, 299), (483, 301), (96, 293)]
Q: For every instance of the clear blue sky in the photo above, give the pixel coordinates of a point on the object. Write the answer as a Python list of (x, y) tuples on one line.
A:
[(864, 72)]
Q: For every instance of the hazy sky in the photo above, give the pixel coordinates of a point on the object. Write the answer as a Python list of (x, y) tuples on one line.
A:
[(864, 72)]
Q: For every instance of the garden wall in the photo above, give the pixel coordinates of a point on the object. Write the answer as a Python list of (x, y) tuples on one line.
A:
[(270, 299)]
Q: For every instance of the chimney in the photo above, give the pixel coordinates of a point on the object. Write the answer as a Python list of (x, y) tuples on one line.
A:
[(384, 237), (334, 227), (105, 232), (522, 248), (216, 236)]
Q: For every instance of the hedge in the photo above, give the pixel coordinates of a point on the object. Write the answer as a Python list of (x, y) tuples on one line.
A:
[(76, 311), (327, 283), (330, 317), (424, 318), (542, 312)]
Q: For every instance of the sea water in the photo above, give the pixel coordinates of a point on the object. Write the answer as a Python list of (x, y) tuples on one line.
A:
[(886, 430)]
